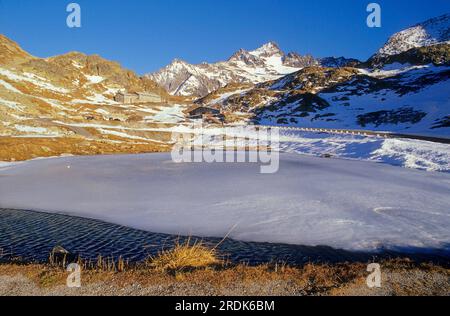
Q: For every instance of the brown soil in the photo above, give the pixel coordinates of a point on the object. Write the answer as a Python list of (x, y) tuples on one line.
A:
[(398, 278)]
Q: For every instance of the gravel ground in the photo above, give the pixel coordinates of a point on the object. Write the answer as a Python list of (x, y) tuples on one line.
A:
[(416, 281)]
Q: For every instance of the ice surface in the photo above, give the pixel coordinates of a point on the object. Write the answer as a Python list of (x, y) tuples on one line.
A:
[(311, 201)]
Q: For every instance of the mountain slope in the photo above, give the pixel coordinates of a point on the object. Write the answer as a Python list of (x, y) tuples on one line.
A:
[(49, 98), (71, 96), (11, 53), (266, 63), (430, 32), (404, 87), (398, 97), (62, 83)]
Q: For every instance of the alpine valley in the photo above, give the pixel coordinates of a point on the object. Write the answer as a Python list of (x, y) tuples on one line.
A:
[(267, 173), (66, 104)]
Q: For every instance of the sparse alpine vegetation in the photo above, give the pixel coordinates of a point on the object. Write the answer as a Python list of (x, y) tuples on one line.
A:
[(185, 256)]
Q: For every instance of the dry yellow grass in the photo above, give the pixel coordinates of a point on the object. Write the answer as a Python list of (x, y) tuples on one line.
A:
[(185, 256), (400, 277), (18, 149), (192, 268)]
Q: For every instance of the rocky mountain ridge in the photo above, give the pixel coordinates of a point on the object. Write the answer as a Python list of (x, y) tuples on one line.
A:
[(265, 63), (403, 89), (428, 33)]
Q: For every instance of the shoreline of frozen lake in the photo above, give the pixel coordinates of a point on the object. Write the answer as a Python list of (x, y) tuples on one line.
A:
[(311, 201), (31, 236)]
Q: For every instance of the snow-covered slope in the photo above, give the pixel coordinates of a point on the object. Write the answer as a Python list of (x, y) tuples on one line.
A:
[(430, 32), (412, 100), (310, 201), (407, 153), (398, 97), (263, 64)]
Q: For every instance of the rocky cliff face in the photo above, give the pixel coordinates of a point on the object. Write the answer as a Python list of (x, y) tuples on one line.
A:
[(438, 55)]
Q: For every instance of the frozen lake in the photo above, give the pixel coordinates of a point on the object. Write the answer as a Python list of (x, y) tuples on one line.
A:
[(32, 236), (311, 201)]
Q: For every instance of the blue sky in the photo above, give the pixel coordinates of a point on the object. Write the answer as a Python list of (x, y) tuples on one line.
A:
[(145, 35)]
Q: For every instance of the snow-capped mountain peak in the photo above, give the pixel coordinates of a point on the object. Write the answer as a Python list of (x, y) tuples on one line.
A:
[(269, 49), (177, 61), (265, 63), (430, 32), (178, 64), (246, 57), (262, 64)]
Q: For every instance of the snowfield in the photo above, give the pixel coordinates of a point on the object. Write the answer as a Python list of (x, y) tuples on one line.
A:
[(345, 105), (311, 201), (407, 153)]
